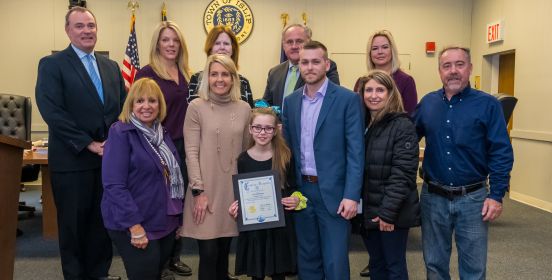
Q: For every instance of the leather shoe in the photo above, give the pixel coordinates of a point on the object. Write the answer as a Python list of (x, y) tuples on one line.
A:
[(232, 277), (365, 272), (166, 275), (110, 277), (180, 268)]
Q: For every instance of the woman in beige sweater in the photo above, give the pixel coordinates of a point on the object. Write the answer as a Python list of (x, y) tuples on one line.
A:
[(214, 131)]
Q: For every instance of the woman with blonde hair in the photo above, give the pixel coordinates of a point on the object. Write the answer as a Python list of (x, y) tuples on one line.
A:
[(215, 133), (382, 54), (390, 195), (221, 40), (143, 185), (169, 68)]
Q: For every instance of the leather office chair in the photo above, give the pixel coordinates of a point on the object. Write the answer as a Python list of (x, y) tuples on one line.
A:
[(15, 121), (508, 104)]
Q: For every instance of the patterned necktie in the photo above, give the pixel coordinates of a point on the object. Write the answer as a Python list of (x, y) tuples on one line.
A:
[(94, 76), (292, 81)]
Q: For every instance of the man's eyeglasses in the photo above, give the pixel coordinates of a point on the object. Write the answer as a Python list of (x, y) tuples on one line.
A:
[(259, 129)]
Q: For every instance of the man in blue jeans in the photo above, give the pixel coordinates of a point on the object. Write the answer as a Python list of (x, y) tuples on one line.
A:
[(467, 164)]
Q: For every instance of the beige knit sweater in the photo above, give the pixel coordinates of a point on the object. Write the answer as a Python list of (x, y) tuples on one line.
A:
[(215, 133)]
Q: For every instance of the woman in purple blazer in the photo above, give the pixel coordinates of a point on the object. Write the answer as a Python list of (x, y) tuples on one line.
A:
[(143, 185)]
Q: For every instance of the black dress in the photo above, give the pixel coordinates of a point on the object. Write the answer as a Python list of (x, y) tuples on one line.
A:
[(266, 252)]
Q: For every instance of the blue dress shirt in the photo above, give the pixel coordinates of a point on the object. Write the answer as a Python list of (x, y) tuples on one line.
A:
[(466, 140)]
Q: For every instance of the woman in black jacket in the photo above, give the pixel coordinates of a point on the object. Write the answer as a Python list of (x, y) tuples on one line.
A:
[(390, 196)]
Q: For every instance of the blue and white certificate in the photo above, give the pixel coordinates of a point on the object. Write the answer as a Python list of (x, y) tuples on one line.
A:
[(259, 197)]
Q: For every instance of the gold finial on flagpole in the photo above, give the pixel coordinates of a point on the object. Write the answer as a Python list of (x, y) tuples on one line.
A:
[(164, 11), (304, 16), (133, 6), (284, 17)]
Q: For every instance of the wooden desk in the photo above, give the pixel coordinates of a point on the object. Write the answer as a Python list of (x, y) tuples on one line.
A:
[(49, 212)]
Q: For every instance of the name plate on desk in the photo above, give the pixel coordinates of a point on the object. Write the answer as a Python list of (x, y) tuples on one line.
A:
[(259, 198)]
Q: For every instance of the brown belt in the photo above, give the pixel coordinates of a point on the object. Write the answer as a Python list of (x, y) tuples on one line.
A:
[(310, 178)]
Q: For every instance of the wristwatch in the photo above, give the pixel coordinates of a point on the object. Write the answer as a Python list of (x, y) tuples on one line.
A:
[(196, 192)]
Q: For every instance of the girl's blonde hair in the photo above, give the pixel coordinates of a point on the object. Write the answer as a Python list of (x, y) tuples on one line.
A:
[(281, 154)]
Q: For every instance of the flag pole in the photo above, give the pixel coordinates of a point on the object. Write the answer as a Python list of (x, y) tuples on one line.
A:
[(164, 11), (284, 17), (131, 62)]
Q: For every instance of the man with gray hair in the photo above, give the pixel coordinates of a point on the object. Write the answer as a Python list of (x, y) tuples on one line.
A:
[(284, 78), (466, 168)]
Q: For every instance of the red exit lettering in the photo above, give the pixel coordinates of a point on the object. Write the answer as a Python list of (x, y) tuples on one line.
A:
[(492, 32)]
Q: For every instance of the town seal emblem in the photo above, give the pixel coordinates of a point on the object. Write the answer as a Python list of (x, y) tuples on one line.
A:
[(235, 14)]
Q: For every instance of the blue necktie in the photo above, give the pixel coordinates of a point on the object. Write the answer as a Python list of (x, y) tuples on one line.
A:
[(94, 76)]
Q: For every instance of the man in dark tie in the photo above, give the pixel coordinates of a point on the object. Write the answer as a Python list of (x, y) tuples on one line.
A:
[(284, 78), (79, 94)]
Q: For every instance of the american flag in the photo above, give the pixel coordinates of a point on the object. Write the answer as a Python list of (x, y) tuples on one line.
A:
[(131, 64)]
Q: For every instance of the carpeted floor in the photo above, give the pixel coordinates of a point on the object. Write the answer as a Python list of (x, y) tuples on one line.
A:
[(520, 247)]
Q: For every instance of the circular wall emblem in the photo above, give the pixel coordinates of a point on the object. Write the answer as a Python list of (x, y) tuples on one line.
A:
[(235, 14)]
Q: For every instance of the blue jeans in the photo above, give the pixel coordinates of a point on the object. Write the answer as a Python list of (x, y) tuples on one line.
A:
[(441, 218)]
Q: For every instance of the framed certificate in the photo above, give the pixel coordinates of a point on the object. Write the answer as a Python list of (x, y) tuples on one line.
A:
[(259, 197)]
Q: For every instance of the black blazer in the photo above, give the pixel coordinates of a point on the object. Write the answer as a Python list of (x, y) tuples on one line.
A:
[(70, 105), (274, 91)]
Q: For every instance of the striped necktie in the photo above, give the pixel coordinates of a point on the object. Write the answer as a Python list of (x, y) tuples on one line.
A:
[(292, 81), (94, 76)]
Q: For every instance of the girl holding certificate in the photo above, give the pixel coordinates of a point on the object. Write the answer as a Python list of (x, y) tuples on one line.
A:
[(268, 252)]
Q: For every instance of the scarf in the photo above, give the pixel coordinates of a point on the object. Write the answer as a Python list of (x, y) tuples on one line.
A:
[(154, 137)]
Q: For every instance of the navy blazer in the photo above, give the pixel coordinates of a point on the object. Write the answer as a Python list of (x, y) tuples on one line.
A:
[(276, 81), (70, 105), (338, 143)]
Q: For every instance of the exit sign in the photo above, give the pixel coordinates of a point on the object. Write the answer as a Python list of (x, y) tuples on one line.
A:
[(495, 32)]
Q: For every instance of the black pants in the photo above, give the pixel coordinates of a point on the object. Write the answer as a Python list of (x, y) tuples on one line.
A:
[(84, 245), (147, 263), (213, 258), (273, 277), (387, 252)]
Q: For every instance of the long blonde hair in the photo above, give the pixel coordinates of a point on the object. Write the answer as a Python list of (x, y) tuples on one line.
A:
[(181, 59), (395, 62), (281, 154), (228, 64)]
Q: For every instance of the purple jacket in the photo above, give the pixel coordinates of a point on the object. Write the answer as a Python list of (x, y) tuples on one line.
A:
[(134, 187)]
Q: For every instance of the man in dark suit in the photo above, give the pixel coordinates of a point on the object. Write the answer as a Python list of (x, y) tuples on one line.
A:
[(323, 126), (284, 79), (79, 94)]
